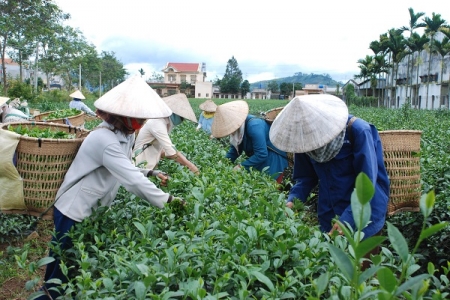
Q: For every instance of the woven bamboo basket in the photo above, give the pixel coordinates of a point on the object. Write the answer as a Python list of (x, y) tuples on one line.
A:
[(401, 156), (43, 163), (270, 115), (77, 121)]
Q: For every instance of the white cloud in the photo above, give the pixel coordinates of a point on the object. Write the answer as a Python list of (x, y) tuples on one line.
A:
[(266, 38)]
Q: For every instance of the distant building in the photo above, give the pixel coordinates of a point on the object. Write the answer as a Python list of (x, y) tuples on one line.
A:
[(13, 72), (188, 78), (258, 94), (424, 83)]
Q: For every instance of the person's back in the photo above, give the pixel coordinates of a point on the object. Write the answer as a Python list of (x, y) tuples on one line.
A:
[(360, 152), (259, 149), (205, 121), (78, 104), (332, 149), (11, 114), (153, 138)]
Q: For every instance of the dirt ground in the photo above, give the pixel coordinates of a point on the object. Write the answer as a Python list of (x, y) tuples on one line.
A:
[(14, 288)]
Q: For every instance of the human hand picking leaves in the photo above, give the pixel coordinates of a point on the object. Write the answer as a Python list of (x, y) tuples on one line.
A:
[(164, 178), (336, 228)]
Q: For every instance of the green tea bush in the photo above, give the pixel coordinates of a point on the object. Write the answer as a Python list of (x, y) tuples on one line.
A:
[(14, 226), (237, 240), (18, 89)]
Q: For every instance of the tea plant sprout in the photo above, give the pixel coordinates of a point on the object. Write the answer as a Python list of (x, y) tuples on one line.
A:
[(393, 282)]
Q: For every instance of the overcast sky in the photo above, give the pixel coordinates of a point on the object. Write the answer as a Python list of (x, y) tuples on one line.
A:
[(269, 39)]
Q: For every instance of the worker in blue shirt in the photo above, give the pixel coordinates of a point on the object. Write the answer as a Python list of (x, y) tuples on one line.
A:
[(331, 148), (249, 135), (77, 103), (206, 117)]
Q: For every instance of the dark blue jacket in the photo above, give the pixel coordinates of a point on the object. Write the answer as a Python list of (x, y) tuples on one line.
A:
[(360, 153), (259, 149)]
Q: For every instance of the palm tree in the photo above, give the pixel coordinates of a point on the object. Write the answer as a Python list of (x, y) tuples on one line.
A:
[(442, 48), (364, 66), (413, 24), (141, 71), (416, 43), (379, 66), (433, 26), (378, 51), (396, 44), (380, 48)]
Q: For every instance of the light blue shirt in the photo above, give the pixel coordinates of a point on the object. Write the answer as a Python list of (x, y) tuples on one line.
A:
[(205, 123), (78, 104)]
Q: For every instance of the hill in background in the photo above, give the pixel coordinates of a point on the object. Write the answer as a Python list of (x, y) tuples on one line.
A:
[(299, 77)]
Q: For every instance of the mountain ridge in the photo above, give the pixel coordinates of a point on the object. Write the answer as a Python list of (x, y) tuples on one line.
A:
[(299, 77)]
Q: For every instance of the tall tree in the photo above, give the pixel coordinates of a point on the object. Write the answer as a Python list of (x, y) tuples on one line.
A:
[(365, 68), (245, 88), (64, 54), (12, 13), (414, 23), (113, 70), (349, 93), (416, 44), (396, 45), (286, 89), (379, 66), (231, 81), (91, 66), (273, 86), (433, 26), (380, 49), (23, 23), (384, 44)]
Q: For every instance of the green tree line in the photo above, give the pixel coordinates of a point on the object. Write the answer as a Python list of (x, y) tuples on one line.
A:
[(33, 32), (404, 43)]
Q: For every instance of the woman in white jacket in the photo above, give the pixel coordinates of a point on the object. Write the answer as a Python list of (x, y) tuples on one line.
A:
[(103, 163), (153, 141)]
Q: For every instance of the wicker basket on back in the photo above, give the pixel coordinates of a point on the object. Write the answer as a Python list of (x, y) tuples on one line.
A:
[(401, 156), (77, 121), (42, 163), (270, 115)]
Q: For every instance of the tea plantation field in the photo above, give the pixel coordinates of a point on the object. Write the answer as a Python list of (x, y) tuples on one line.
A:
[(235, 239)]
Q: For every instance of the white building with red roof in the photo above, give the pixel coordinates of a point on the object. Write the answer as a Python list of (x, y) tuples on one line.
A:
[(188, 78)]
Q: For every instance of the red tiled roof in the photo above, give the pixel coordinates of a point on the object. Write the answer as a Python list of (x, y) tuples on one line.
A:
[(184, 67), (9, 61)]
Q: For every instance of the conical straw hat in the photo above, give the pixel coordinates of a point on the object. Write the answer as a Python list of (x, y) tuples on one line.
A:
[(77, 94), (3, 100), (133, 98), (308, 122), (179, 104), (229, 117), (208, 106)]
